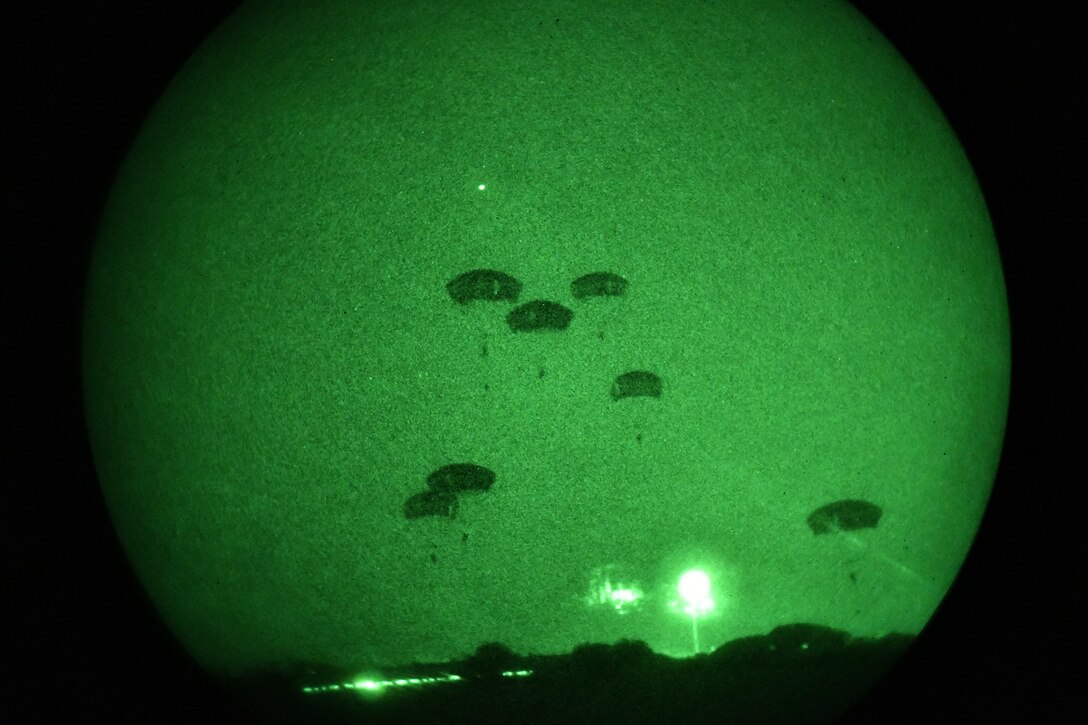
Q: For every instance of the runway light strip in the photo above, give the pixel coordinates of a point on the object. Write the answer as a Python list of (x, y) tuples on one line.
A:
[(379, 685)]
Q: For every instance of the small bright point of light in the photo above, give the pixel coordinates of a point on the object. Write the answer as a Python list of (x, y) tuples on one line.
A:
[(623, 595), (400, 682), (481, 187), (368, 685)]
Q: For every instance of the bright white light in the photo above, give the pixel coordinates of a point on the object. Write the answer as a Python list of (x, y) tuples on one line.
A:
[(694, 587), (695, 590), (481, 187)]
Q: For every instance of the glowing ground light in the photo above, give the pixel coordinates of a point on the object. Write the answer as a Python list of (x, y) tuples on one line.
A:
[(372, 686), (695, 591), (613, 588)]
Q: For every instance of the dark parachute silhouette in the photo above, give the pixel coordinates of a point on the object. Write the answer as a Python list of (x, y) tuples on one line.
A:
[(460, 477), (430, 503), (483, 284), (539, 315), (486, 285), (636, 384), (845, 515), (848, 516), (598, 284)]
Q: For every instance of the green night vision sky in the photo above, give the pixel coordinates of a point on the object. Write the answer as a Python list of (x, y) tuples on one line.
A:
[(274, 364)]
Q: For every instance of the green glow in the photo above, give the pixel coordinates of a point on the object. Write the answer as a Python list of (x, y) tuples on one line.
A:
[(756, 207), (613, 587)]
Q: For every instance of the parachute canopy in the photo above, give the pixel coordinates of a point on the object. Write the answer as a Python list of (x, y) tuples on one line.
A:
[(636, 383), (458, 477), (539, 315), (430, 503), (846, 515), (598, 284), (483, 284)]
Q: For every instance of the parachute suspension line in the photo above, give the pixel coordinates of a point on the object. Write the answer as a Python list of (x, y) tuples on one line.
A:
[(861, 545)]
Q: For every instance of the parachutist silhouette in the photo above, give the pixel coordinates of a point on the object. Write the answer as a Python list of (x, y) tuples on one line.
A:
[(484, 284)]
